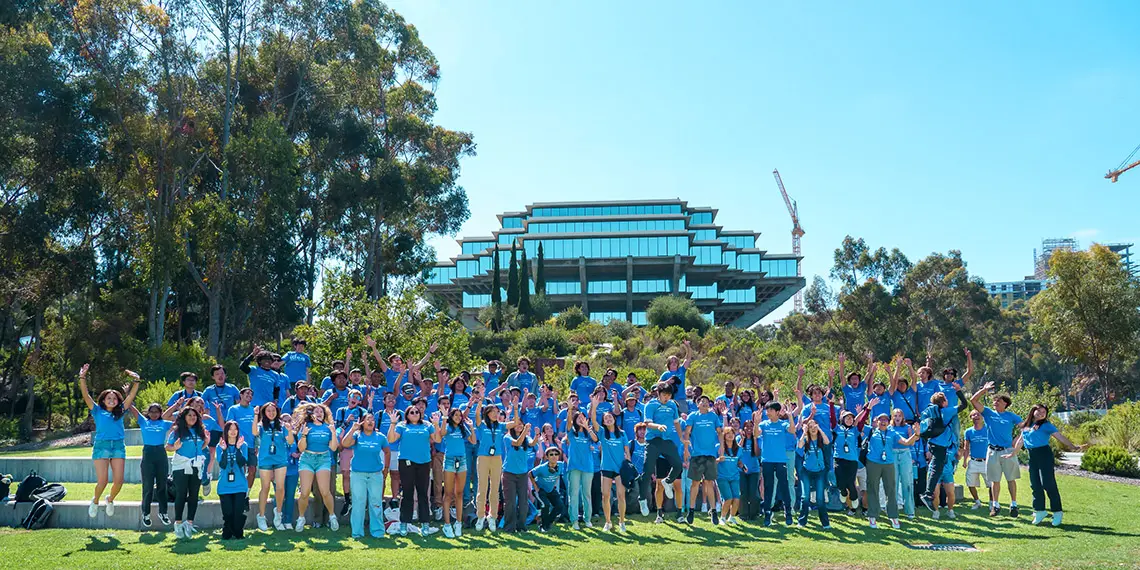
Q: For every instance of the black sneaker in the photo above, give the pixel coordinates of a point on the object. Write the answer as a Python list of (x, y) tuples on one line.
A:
[(928, 502), (851, 512), (345, 509), (1013, 512), (863, 511), (146, 521), (768, 519), (788, 518), (995, 510), (715, 517), (689, 516), (162, 518)]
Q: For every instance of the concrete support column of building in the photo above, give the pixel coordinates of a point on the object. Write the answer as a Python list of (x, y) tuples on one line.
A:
[(585, 286), (675, 287), (629, 288)]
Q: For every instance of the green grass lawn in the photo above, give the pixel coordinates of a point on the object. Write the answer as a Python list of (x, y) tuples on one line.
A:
[(77, 451), (1101, 530)]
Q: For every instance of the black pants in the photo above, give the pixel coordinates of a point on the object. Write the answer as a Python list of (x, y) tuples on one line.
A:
[(1043, 480), (750, 496), (937, 466), (662, 447), (515, 503), (552, 508), (186, 487), (155, 467), (776, 486), (638, 489), (414, 479), (233, 515), (596, 495), (920, 485), (846, 472)]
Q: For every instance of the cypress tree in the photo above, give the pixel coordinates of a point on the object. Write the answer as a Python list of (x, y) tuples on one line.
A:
[(540, 273), (513, 280), (524, 291), (496, 292)]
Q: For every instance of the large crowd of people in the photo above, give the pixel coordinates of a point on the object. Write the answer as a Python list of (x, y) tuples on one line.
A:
[(492, 450)]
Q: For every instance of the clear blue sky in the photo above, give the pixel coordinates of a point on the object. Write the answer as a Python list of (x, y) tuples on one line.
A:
[(979, 126)]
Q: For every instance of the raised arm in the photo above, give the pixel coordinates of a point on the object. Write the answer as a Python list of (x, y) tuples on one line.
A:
[(130, 399), (830, 378), (1068, 444), (256, 429), (800, 381), (842, 358), (244, 364), (594, 401), (969, 368), (427, 357), (376, 354), (910, 371), (83, 386), (393, 435), (976, 399), (518, 441), (872, 369), (688, 353)]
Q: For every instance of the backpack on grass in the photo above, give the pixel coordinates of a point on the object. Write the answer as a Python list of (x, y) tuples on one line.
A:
[(28, 487), (39, 516)]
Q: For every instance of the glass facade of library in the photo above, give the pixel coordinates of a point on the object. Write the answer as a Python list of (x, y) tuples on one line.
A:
[(612, 259)]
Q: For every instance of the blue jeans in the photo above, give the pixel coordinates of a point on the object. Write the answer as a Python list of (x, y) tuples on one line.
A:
[(580, 484), (776, 483), (472, 482), (290, 498), (813, 481), (368, 490), (904, 473)]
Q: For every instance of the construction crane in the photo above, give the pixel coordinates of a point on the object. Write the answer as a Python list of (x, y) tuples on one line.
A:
[(1124, 166), (797, 233)]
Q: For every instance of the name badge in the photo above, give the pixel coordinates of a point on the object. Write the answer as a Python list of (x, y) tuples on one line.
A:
[(457, 462), (884, 456), (273, 449), (230, 477), (846, 448), (492, 451)]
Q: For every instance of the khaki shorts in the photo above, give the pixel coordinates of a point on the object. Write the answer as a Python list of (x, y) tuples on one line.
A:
[(997, 466), (975, 470)]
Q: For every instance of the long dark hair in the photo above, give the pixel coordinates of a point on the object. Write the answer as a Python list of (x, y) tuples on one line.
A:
[(572, 419), (749, 427), (267, 423), (1029, 422), (527, 443), (116, 412), (226, 432), (728, 435), (616, 432), (493, 425), (184, 429), (461, 425)]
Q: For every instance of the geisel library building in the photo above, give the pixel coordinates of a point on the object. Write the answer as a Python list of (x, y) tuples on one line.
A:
[(613, 258)]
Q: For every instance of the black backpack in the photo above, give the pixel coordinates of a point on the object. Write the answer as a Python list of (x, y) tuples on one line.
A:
[(54, 492), (39, 516), (28, 487), (932, 425), (170, 498), (5, 486), (864, 448)]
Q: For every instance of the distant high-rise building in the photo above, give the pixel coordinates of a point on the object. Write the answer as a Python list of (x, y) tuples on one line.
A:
[(1124, 250), (1009, 292), (1048, 246), (613, 258)]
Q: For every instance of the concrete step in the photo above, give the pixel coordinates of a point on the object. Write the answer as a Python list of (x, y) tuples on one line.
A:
[(133, 437), (65, 469), (128, 516)]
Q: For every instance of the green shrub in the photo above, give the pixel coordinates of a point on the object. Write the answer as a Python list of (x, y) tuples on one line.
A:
[(487, 345), (1077, 419), (1087, 432), (1121, 427), (571, 318), (542, 341), (621, 329), (9, 429), (1110, 460), (671, 310)]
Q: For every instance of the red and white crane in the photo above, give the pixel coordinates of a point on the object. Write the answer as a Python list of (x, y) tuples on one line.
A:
[(1124, 166), (797, 233)]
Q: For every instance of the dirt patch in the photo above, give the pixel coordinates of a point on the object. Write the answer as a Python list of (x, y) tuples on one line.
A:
[(1097, 476), (68, 441)]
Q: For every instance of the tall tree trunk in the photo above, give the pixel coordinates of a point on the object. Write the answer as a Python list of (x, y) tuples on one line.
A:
[(311, 285), (30, 379), (214, 301)]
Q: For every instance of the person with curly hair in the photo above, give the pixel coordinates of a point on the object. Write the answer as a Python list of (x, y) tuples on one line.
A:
[(316, 441), (108, 449)]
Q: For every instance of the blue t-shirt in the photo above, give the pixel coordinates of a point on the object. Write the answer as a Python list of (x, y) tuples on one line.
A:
[(703, 434), (926, 390), (751, 462), (227, 395), (385, 425), (416, 440), (263, 382), (813, 456), (907, 402), (745, 412), (533, 416), (369, 454), (664, 414), (883, 407), (846, 443), (107, 426), (296, 365), (292, 464), (579, 454), (487, 437), (192, 445), (1000, 426), (346, 416), (951, 392), (1034, 438), (901, 434), (243, 415), (523, 381), (272, 448), (630, 419), (491, 381), (774, 436), (728, 468), (211, 423), (880, 447), (947, 437), (822, 415), (679, 392), (154, 431), (290, 404), (340, 400), (613, 452), (377, 397), (854, 397), (516, 459), (549, 481), (637, 454), (317, 441), (455, 444), (918, 454), (979, 442), (231, 478), (184, 394), (584, 387)]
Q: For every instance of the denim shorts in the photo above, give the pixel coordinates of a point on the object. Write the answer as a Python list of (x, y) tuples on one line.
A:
[(315, 462), (271, 466), (109, 449), (455, 464), (729, 489)]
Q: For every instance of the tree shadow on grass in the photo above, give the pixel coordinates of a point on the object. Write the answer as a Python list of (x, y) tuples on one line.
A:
[(102, 544), (1098, 530)]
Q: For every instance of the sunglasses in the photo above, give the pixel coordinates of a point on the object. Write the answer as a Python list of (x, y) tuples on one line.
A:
[(553, 454), (413, 412)]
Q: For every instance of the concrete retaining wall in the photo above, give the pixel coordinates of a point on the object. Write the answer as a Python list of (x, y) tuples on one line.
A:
[(128, 516), (65, 469)]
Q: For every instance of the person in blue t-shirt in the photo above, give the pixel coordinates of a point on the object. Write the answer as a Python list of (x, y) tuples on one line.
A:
[(629, 416), (675, 371), (243, 413), (583, 384), (108, 449), (456, 432), (846, 452), (369, 461), (975, 444), (263, 380), (316, 440), (344, 418), (813, 442), (188, 442), (492, 375), (855, 387), (881, 450), (663, 425), (337, 397), (902, 395), (233, 490), (220, 392), (774, 462), (749, 443), (189, 391), (1000, 425), (615, 452), (517, 446), (153, 426), (296, 364), (579, 442), (1036, 430), (703, 430), (546, 478), (274, 439), (522, 378), (728, 473), (940, 412)]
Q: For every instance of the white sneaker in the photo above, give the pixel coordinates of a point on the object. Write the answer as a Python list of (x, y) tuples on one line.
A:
[(608, 527), (334, 525), (950, 514), (277, 520), (187, 529), (110, 507), (873, 523), (977, 505), (668, 488), (428, 530), (937, 515), (1038, 517), (479, 523), (262, 525), (1057, 516), (576, 527), (621, 527), (704, 507), (403, 529), (300, 524), (895, 523), (93, 509), (458, 529), (206, 488), (447, 531), (438, 513), (492, 526), (644, 507), (178, 531), (589, 524)]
